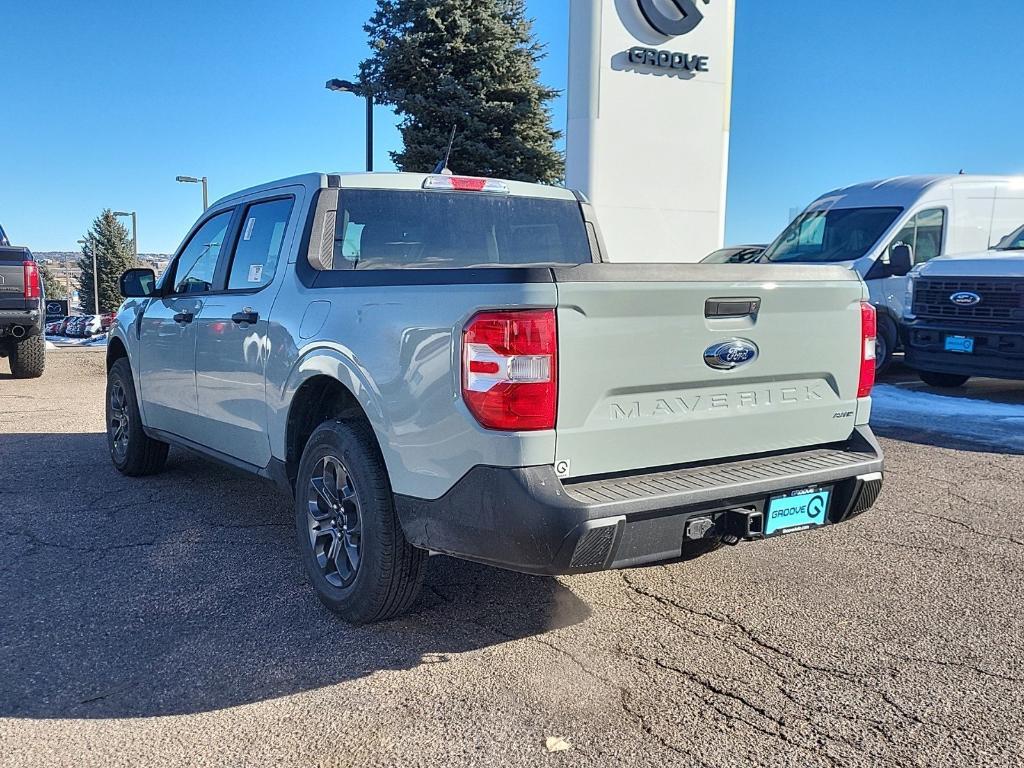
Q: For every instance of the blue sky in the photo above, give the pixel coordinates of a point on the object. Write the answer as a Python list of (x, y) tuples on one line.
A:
[(104, 103)]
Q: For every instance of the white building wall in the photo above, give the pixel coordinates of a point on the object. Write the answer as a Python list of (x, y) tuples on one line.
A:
[(649, 145)]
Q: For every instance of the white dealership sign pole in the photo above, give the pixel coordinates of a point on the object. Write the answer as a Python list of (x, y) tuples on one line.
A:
[(650, 85)]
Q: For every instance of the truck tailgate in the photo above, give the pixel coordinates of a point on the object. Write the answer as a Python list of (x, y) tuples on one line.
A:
[(636, 391), (12, 279)]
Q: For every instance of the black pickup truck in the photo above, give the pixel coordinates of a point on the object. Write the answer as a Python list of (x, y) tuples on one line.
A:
[(22, 313)]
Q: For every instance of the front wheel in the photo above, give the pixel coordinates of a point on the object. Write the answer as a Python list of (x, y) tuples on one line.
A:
[(944, 380), (28, 357), (350, 540), (133, 452)]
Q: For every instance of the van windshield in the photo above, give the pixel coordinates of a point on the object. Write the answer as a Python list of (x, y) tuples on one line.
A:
[(384, 229), (828, 236)]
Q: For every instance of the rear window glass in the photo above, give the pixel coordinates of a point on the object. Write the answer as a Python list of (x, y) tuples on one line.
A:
[(382, 229)]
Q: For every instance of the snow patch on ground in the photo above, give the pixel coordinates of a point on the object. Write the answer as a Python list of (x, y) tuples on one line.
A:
[(67, 341), (951, 420)]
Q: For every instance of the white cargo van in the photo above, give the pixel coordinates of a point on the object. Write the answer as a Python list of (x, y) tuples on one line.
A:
[(861, 226)]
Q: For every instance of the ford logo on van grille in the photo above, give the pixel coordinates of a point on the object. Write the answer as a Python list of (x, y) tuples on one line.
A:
[(965, 299), (730, 354)]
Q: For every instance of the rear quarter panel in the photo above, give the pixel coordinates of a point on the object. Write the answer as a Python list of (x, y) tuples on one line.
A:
[(396, 348)]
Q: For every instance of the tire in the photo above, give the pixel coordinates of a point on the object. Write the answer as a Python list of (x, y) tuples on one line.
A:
[(944, 380), (349, 537), (133, 452), (28, 357), (885, 345)]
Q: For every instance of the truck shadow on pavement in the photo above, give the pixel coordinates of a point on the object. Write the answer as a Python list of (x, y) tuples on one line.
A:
[(182, 593)]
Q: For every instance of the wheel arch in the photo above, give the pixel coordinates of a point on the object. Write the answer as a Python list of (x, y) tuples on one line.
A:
[(116, 349), (325, 385)]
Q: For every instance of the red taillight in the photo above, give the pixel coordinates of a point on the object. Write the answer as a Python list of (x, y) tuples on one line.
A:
[(868, 334), (510, 369), (31, 280)]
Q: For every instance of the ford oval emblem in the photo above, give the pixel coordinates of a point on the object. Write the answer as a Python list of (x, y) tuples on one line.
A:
[(730, 354), (965, 299)]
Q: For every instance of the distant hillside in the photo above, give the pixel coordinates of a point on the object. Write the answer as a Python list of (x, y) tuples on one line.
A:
[(66, 256)]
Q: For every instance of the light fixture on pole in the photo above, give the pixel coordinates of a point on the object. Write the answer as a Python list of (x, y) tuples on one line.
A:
[(91, 242), (135, 231), (347, 86), (195, 180)]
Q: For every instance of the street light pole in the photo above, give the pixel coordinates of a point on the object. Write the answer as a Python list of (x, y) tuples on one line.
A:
[(196, 180), (135, 231), (347, 86)]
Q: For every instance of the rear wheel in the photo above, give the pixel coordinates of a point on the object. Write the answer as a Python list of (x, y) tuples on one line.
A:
[(28, 357), (351, 543), (944, 380), (133, 452)]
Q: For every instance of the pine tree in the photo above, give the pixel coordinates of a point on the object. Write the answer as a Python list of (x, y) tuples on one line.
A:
[(52, 287), (468, 64), (113, 256)]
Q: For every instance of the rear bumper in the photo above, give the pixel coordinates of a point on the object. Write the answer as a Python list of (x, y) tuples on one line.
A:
[(528, 520), (29, 319), (998, 351)]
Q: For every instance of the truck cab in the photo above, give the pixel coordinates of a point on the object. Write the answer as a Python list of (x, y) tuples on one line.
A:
[(861, 226)]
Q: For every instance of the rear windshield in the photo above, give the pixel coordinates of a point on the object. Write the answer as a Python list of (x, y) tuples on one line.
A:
[(381, 229), (839, 234)]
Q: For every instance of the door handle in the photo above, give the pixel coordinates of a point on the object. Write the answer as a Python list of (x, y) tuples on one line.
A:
[(245, 317), (184, 318)]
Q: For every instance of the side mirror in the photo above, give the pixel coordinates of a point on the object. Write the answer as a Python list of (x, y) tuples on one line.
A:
[(138, 284), (901, 260)]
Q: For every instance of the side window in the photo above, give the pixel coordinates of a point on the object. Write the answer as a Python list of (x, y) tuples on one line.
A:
[(924, 234), (195, 268), (259, 244)]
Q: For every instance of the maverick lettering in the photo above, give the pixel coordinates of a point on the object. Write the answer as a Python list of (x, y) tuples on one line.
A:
[(690, 404)]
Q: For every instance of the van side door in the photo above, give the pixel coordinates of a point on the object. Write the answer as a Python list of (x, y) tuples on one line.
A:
[(232, 343), (167, 329)]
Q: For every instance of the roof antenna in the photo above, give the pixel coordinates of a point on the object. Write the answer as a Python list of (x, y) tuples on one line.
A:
[(442, 166)]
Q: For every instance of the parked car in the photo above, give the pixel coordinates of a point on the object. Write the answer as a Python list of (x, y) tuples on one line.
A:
[(91, 325), (21, 313), (53, 329), (107, 320), (735, 254), (861, 226), (447, 364), (965, 316)]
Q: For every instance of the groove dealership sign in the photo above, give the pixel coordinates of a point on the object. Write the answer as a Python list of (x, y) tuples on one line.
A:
[(687, 17)]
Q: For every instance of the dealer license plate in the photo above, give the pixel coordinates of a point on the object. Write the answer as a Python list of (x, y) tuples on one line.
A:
[(797, 511), (963, 344)]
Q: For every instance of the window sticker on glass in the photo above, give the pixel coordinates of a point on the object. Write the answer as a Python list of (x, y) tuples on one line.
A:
[(255, 272), (248, 227)]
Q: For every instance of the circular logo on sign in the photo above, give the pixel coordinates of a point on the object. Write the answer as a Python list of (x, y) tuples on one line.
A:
[(672, 25), (816, 507)]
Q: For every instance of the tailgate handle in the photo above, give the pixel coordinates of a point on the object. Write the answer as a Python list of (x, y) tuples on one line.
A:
[(731, 307)]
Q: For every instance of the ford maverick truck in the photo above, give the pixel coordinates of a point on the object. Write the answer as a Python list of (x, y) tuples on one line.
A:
[(446, 364), (22, 313)]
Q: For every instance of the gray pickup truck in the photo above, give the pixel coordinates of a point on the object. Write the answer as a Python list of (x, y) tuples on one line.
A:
[(431, 363), (22, 312)]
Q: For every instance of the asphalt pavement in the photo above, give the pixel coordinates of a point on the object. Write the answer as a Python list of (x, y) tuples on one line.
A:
[(166, 621)]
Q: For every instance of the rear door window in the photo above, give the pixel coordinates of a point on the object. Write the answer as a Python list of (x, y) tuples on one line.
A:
[(260, 241), (383, 229)]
